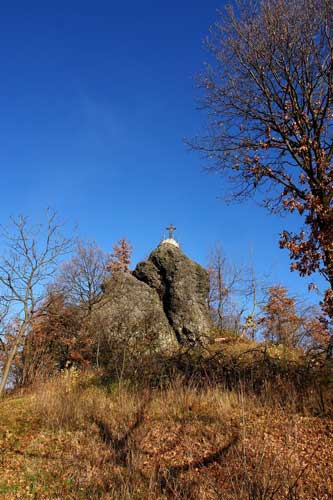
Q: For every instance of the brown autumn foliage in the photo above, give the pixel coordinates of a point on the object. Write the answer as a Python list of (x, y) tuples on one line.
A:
[(59, 337), (318, 331), (280, 322), (120, 258), (269, 100)]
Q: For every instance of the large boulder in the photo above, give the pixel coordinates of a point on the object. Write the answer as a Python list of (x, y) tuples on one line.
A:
[(131, 317), (182, 286)]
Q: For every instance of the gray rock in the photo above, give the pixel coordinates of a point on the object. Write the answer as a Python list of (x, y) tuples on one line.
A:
[(131, 315), (182, 286)]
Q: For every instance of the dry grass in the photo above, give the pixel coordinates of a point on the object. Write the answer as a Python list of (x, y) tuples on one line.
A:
[(74, 439), (72, 400)]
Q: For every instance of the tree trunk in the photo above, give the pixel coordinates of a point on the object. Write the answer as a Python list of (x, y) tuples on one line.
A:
[(10, 359)]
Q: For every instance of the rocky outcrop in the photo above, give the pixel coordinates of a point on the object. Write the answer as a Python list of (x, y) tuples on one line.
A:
[(132, 313), (182, 286), (157, 307)]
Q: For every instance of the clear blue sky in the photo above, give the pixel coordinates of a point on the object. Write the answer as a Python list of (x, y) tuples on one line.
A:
[(95, 99)]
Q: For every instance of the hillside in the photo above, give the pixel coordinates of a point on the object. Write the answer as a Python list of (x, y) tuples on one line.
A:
[(78, 437), (139, 394)]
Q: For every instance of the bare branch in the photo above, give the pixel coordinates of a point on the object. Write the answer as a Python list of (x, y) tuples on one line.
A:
[(30, 260)]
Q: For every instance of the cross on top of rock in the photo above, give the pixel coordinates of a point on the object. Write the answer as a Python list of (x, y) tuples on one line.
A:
[(171, 237), (171, 228)]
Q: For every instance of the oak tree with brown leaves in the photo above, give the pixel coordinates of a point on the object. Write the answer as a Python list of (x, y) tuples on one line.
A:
[(59, 337), (280, 322), (269, 98)]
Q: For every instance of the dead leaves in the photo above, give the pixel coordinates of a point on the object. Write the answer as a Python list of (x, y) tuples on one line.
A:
[(185, 444)]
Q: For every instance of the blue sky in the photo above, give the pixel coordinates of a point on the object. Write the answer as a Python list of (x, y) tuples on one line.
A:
[(95, 99)]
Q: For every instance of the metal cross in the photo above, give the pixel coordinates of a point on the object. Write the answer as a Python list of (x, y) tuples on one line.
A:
[(171, 229)]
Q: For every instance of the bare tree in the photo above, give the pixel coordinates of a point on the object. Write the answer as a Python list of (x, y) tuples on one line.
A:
[(81, 278), (29, 262), (225, 281), (269, 98), (80, 281), (252, 293)]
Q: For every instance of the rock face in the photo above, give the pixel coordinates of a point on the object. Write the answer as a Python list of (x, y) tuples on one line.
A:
[(157, 307), (182, 286), (132, 313)]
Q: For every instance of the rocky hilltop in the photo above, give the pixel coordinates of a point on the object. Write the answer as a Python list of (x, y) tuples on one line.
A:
[(164, 300)]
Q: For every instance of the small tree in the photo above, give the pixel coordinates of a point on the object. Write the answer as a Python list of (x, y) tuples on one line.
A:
[(280, 322), (120, 258), (29, 262)]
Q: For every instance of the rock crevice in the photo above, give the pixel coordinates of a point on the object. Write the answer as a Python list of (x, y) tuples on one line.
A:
[(182, 286)]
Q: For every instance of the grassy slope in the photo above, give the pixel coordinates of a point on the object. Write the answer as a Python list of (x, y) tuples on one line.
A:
[(72, 439)]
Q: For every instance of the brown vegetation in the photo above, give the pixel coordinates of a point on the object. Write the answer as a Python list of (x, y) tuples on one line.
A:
[(120, 258), (74, 438)]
